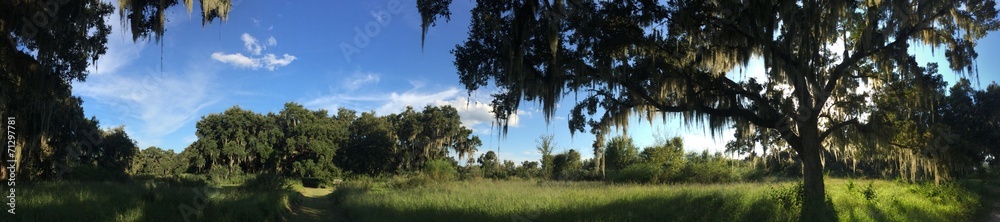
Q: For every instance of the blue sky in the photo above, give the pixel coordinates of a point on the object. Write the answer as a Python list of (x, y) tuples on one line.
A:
[(270, 53)]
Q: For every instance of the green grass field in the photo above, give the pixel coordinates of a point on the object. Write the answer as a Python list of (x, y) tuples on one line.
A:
[(97, 201), (401, 199), (594, 201)]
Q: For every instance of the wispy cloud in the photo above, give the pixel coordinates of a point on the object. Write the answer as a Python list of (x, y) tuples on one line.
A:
[(359, 79), (271, 41), (156, 104), (255, 48)]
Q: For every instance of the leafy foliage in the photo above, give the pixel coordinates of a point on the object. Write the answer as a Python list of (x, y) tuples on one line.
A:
[(440, 170), (620, 153), (304, 143)]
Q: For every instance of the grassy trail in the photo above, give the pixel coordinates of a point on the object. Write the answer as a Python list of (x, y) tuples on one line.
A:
[(314, 205)]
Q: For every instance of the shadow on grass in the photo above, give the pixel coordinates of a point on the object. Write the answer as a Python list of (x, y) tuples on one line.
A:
[(314, 205), (147, 201)]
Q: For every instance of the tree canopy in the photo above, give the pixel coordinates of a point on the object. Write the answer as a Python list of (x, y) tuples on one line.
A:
[(313, 143)]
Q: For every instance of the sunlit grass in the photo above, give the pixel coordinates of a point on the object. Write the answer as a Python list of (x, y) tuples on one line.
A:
[(594, 201)]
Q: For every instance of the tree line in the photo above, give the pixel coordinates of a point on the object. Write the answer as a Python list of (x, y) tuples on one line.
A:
[(298, 142)]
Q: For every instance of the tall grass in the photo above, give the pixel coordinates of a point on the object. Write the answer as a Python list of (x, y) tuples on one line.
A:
[(596, 201), (146, 201)]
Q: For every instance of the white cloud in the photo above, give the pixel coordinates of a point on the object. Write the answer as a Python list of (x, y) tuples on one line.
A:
[(268, 61), (474, 113), (251, 44), (237, 59)]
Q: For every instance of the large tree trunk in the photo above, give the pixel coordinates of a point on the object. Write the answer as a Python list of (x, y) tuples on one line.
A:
[(813, 205)]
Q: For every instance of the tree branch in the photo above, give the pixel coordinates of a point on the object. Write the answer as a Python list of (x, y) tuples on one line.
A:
[(841, 69), (852, 122), (733, 111)]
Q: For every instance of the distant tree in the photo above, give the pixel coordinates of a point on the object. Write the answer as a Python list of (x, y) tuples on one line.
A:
[(509, 167), (409, 127), (488, 160), (567, 166), (466, 144), (490, 165), (620, 153), (668, 154), (528, 169), (312, 139), (116, 151), (546, 145), (157, 162), (371, 146)]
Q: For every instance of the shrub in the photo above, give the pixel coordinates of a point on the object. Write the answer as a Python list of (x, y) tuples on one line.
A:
[(789, 198), (868, 192), (264, 181), (440, 170), (640, 173), (471, 172), (225, 176), (410, 182)]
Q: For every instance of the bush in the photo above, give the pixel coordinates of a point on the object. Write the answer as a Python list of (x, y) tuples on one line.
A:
[(869, 192), (440, 170), (410, 182), (264, 181), (471, 173), (227, 176), (789, 198), (639, 173)]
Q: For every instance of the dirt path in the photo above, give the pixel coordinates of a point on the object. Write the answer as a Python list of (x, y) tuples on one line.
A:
[(315, 205)]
